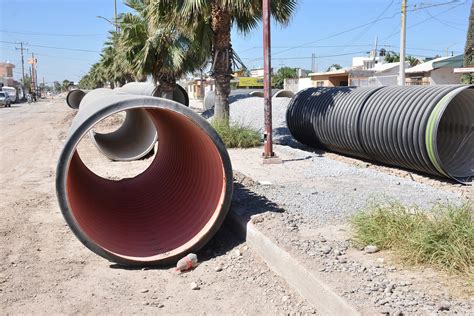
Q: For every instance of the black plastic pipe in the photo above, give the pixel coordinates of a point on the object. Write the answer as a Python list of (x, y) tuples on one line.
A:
[(424, 128)]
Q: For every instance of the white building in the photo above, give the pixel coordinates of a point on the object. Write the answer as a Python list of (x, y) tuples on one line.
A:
[(436, 71)]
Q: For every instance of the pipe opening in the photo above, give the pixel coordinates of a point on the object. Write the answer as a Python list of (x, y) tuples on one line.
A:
[(455, 136), (132, 140), (161, 212), (284, 94), (74, 98), (100, 164)]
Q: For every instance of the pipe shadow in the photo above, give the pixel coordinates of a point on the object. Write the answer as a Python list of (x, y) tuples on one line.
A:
[(245, 203)]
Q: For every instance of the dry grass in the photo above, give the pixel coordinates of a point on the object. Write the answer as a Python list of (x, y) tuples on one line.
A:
[(442, 237)]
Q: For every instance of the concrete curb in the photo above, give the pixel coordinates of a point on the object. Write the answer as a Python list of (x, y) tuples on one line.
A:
[(308, 284)]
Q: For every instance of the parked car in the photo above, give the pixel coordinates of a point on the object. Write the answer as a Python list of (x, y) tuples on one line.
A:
[(12, 92), (5, 99)]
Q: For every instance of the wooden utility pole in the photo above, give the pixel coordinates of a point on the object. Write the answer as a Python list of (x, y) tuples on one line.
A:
[(22, 49), (32, 61), (403, 41)]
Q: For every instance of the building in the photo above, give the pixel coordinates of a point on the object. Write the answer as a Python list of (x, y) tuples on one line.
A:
[(385, 74), (255, 73), (331, 78), (6, 74), (436, 71)]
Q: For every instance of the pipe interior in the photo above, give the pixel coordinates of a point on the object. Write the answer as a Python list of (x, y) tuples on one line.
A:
[(132, 140), (74, 98), (455, 136), (172, 204), (284, 94)]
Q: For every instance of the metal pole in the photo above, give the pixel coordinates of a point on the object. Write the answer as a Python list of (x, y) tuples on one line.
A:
[(403, 34), (115, 15), (267, 79)]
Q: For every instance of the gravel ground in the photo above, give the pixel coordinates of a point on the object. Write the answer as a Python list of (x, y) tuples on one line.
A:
[(249, 111), (325, 191)]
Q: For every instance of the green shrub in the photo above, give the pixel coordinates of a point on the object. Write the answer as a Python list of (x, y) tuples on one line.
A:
[(442, 237), (236, 135)]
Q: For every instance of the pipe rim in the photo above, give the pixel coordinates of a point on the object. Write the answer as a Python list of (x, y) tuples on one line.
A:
[(431, 133), (139, 103)]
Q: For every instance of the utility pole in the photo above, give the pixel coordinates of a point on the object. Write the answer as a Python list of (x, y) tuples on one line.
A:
[(34, 80), (403, 41), (115, 15), (313, 62), (268, 154), (21, 49)]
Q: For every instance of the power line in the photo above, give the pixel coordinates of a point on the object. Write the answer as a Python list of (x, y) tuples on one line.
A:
[(443, 22), (49, 34), (423, 6), (310, 57), (337, 34), (425, 20), (59, 48)]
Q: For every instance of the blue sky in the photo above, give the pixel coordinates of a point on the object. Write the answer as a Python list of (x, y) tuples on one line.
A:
[(331, 29)]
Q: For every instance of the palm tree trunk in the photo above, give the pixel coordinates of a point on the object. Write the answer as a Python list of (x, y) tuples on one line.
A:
[(222, 70), (166, 88)]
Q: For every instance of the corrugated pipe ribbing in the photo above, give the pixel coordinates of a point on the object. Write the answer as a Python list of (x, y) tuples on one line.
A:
[(424, 128)]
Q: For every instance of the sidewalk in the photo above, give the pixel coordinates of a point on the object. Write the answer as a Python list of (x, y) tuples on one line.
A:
[(295, 216)]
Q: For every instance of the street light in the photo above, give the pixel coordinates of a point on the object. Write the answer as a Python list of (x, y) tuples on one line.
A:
[(115, 17)]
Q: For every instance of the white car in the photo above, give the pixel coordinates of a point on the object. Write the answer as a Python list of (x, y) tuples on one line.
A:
[(5, 99)]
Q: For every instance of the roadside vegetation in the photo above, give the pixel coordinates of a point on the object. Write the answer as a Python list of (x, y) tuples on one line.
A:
[(235, 135), (168, 39), (442, 237)]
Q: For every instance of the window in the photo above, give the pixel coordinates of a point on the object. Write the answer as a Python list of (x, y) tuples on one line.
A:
[(319, 83)]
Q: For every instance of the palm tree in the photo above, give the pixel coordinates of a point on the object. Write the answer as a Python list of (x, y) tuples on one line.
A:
[(159, 48), (216, 18)]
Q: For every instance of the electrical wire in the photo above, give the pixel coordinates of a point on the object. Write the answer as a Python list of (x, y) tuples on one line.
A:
[(59, 48), (49, 34)]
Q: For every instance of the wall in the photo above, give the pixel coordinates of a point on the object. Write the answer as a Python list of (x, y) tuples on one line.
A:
[(444, 76), (298, 84)]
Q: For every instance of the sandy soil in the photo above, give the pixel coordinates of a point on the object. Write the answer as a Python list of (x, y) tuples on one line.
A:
[(44, 269)]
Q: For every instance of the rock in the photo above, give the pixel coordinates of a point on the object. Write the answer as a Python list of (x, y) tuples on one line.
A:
[(371, 249), (218, 269), (383, 301), (326, 249), (342, 260), (398, 313), (285, 298), (194, 286), (237, 253), (144, 291), (444, 306)]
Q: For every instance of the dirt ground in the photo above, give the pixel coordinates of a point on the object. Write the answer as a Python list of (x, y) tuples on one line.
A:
[(45, 269)]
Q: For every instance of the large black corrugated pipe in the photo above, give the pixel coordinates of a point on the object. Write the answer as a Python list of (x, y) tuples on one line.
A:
[(172, 208), (424, 128), (137, 136)]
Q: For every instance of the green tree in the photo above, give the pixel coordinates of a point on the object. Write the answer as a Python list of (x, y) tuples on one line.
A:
[(282, 74), (468, 51), (57, 86), (66, 84), (216, 18), (393, 57), (334, 67)]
